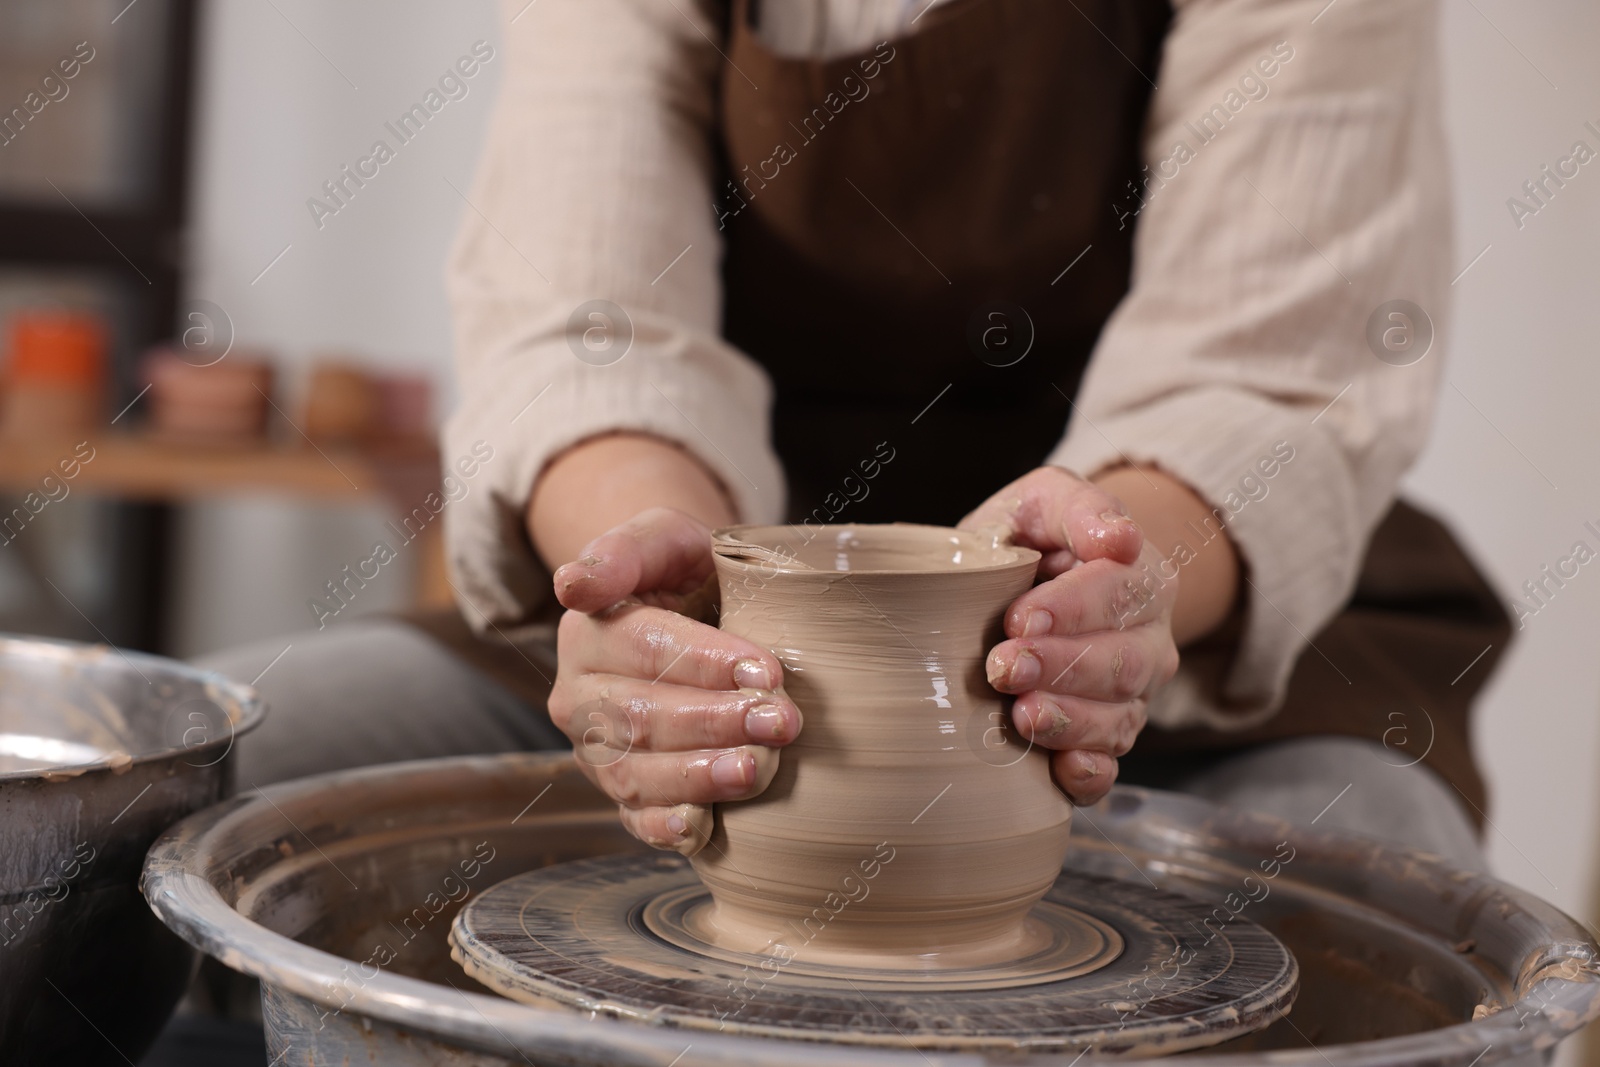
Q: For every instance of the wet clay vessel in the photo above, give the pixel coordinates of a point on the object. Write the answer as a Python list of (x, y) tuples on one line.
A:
[(906, 827)]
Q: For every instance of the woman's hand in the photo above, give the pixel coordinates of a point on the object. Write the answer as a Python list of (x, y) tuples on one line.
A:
[(1087, 646), (667, 714)]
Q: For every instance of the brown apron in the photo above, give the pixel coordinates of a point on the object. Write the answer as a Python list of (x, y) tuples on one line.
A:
[(879, 210)]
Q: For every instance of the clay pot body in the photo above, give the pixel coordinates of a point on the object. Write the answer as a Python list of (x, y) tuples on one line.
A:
[(907, 826)]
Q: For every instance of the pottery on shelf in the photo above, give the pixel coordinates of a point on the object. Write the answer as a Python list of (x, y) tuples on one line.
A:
[(199, 398), (907, 825)]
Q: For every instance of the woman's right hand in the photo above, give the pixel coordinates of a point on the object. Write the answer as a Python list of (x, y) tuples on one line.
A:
[(667, 714)]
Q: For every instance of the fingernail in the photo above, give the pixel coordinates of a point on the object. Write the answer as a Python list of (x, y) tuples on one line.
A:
[(1051, 722), (693, 824), (570, 574), (1024, 670), (1037, 623), (766, 723), (1114, 516), (753, 674), (733, 770), (1085, 768)]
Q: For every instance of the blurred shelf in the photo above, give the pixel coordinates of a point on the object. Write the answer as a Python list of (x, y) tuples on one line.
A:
[(133, 467), (143, 468)]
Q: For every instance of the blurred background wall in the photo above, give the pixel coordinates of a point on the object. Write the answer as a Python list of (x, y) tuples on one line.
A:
[(290, 91)]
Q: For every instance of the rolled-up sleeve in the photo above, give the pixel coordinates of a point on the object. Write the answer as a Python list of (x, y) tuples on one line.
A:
[(1306, 200), (594, 186)]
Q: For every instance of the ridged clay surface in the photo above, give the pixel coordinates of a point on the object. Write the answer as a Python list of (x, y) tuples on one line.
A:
[(907, 825)]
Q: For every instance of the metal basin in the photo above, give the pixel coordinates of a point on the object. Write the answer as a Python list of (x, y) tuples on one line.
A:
[(337, 892), (99, 752)]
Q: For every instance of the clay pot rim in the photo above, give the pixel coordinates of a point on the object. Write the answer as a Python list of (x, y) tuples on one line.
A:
[(728, 537)]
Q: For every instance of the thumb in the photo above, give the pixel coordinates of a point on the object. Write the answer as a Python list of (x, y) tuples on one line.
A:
[(1066, 518), (660, 551)]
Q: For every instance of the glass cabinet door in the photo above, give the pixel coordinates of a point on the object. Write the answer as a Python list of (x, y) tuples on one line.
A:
[(81, 98)]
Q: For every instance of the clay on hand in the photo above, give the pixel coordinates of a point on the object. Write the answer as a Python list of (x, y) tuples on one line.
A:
[(667, 714), (1086, 647)]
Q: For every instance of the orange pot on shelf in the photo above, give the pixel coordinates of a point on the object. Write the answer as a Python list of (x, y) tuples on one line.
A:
[(55, 374)]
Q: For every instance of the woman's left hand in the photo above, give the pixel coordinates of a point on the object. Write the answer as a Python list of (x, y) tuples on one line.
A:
[(1087, 646)]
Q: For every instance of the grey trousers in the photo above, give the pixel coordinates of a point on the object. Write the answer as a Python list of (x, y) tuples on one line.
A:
[(377, 691)]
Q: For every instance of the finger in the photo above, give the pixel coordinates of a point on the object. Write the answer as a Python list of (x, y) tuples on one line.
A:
[(656, 550), (649, 779), (612, 712), (1053, 721), (658, 645), (1084, 776), (1055, 563), (684, 828), (1092, 598), (1116, 666), (1053, 510)]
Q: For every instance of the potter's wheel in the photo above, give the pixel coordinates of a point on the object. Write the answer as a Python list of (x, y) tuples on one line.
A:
[(1117, 967)]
